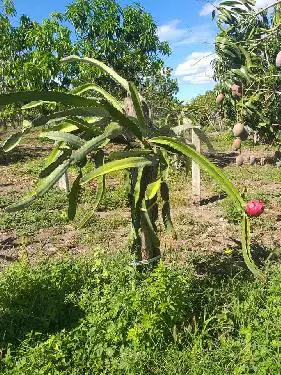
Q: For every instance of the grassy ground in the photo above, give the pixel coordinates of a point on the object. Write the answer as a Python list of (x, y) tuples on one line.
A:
[(42, 231), (81, 309), (98, 315)]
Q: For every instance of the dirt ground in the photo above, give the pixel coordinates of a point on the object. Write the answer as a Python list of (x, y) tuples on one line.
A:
[(205, 228)]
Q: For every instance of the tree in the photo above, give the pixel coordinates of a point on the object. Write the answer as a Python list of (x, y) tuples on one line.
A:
[(7, 7), (124, 38), (30, 55), (203, 110), (246, 47), (159, 91)]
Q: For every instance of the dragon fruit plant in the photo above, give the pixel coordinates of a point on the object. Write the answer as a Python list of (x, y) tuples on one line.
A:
[(81, 133)]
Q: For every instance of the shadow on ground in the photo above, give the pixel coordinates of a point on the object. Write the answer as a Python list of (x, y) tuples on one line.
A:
[(39, 307), (21, 154), (223, 159), (213, 199), (221, 265)]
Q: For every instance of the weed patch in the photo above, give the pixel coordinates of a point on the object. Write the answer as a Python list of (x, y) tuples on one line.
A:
[(102, 316)]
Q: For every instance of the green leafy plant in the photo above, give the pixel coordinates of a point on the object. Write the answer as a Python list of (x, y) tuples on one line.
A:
[(101, 316), (245, 65), (203, 110), (85, 133)]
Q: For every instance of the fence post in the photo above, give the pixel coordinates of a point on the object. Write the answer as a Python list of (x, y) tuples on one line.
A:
[(63, 183), (196, 173)]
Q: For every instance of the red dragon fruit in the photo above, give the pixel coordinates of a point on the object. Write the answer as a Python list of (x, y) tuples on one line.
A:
[(254, 208)]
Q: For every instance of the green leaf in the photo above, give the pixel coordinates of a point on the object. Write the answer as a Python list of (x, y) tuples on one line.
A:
[(246, 247), (206, 165), (138, 107), (70, 139), (54, 154), (166, 210), (228, 47), (127, 154), (58, 159), (149, 226), (35, 104), (116, 77), (242, 74), (11, 142), (62, 115), (152, 189), (65, 127), (137, 187), (78, 123), (106, 95), (73, 197), (42, 187), (111, 131), (116, 165), (164, 164), (99, 161), (124, 121)]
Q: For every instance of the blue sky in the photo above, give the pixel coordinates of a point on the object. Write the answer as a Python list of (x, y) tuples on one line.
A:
[(186, 24)]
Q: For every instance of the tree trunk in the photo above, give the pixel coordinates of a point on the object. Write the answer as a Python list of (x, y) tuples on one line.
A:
[(144, 212)]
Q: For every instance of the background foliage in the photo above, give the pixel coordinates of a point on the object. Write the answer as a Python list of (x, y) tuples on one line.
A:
[(125, 38), (246, 46)]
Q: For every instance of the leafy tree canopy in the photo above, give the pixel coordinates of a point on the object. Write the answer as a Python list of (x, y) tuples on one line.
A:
[(202, 110), (125, 38)]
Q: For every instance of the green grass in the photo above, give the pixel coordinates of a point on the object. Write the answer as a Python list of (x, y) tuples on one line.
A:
[(255, 173), (115, 194), (101, 316), (222, 141), (102, 229), (48, 211)]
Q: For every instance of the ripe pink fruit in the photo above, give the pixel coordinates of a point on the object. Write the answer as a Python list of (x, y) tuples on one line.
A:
[(254, 208), (236, 91), (239, 160)]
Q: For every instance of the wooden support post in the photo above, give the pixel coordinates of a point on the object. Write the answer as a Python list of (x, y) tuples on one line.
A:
[(255, 138), (196, 173), (63, 183)]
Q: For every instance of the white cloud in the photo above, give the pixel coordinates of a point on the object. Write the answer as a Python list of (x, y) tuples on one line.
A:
[(179, 35), (171, 31), (196, 69), (264, 3), (202, 34), (208, 8)]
